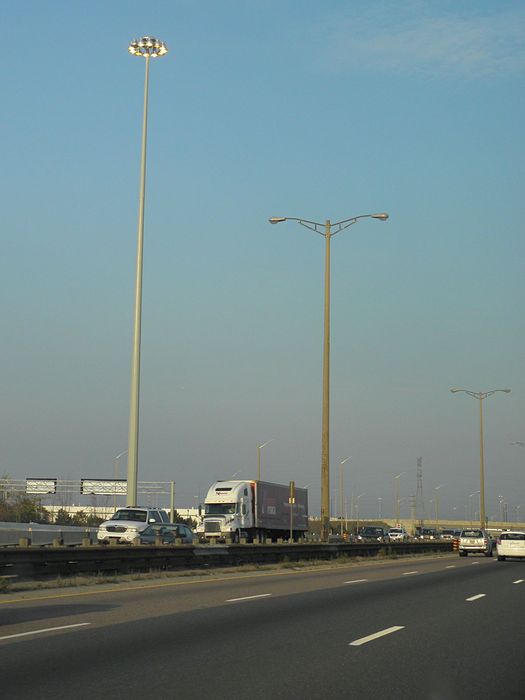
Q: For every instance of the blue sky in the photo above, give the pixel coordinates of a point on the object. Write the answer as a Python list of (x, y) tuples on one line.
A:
[(261, 108)]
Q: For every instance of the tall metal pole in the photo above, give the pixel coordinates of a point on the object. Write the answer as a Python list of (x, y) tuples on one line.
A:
[(396, 482), (482, 520), (116, 475), (481, 396), (325, 430), (133, 434), (172, 502), (259, 448), (147, 47), (341, 491), (341, 495)]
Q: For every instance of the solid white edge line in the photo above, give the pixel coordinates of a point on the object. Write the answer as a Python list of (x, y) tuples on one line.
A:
[(48, 629), (520, 580), (249, 597), (371, 637), (357, 580), (476, 597)]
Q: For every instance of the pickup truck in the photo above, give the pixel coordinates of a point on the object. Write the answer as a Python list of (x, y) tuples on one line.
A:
[(474, 541), (126, 524)]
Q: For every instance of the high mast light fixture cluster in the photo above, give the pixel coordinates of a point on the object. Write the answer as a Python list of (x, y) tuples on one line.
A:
[(148, 46)]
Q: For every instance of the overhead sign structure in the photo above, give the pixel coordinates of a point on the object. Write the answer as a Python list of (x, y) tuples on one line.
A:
[(103, 487), (41, 486)]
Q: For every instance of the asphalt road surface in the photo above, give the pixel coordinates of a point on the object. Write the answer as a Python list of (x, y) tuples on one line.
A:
[(437, 628)]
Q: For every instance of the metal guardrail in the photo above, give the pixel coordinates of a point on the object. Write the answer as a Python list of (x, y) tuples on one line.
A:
[(40, 535), (32, 562)]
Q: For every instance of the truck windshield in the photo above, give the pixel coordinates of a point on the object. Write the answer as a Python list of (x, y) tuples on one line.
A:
[(219, 508)]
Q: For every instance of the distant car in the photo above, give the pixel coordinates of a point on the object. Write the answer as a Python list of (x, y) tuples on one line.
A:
[(127, 523), (448, 533), (397, 534), (474, 541), (428, 533), (168, 533), (371, 533), (510, 544)]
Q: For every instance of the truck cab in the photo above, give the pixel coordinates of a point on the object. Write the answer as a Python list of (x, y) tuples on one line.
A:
[(228, 510)]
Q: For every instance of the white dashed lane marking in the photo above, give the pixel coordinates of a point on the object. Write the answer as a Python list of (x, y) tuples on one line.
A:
[(249, 597), (47, 629), (476, 597), (358, 580), (376, 635)]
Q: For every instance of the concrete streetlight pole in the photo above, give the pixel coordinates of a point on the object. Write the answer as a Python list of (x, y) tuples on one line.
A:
[(328, 230)]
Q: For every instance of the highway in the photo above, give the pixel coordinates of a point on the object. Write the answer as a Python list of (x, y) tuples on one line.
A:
[(430, 627)]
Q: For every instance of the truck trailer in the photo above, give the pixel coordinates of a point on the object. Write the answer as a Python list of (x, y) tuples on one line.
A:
[(253, 509)]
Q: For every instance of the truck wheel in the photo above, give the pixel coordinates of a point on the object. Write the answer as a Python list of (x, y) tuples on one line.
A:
[(462, 554)]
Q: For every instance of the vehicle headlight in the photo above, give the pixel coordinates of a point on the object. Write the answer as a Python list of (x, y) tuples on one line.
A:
[(133, 529)]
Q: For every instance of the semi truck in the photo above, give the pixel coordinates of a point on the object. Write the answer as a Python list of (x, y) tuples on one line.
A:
[(253, 510)]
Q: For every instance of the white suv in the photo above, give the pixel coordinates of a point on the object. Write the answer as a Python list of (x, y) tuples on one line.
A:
[(127, 523), (474, 541), (397, 534)]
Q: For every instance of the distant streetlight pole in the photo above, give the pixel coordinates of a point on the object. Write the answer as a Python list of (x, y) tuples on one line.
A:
[(328, 230), (470, 505), (481, 396), (357, 513), (436, 489), (379, 508), (341, 491), (396, 484), (433, 501), (116, 474), (148, 48), (259, 448)]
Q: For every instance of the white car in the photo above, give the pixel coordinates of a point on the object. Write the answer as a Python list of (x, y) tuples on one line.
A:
[(510, 544), (397, 534)]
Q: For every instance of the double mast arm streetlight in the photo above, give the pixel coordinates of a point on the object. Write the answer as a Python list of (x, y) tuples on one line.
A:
[(328, 230), (148, 48), (481, 396)]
